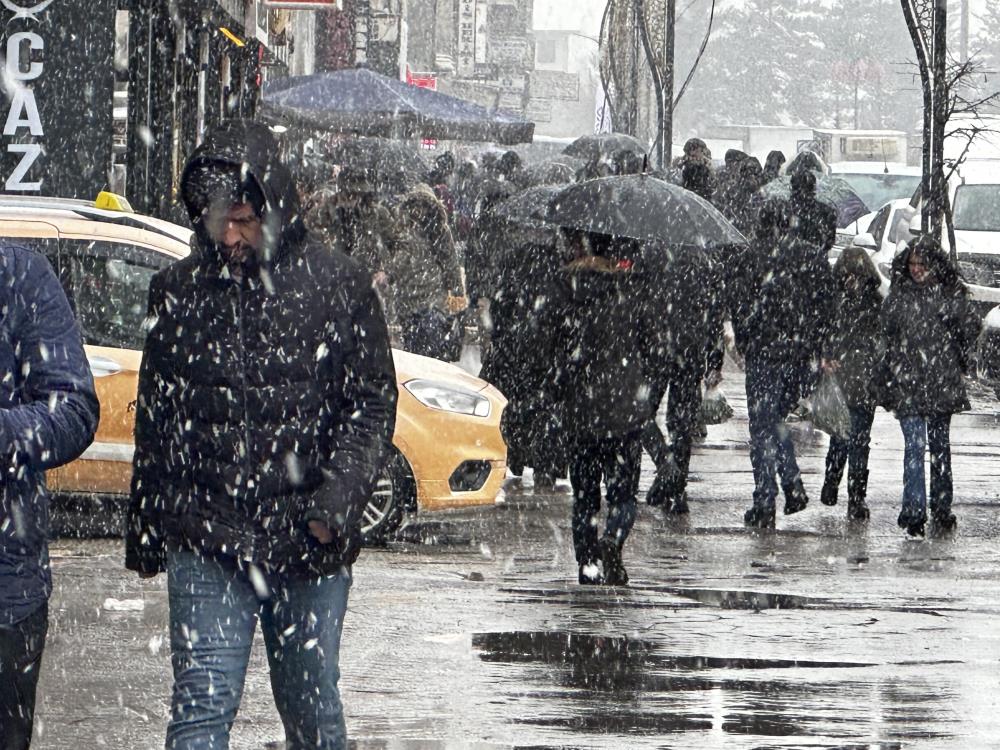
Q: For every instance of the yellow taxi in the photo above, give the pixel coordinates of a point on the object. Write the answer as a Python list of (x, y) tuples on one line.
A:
[(448, 449)]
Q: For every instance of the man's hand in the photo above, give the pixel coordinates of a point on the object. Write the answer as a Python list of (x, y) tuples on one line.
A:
[(829, 366), (713, 379), (321, 532), (380, 278), (456, 303)]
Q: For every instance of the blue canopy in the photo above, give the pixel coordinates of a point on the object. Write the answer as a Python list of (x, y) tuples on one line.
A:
[(366, 103)]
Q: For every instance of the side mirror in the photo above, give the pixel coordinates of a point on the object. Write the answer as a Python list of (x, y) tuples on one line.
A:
[(865, 240)]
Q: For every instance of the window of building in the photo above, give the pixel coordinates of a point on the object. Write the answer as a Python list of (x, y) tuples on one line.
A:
[(545, 51)]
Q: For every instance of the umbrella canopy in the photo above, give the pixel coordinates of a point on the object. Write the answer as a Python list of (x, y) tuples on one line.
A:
[(363, 102), (559, 170), (643, 208), (529, 207), (596, 146), (832, 190)]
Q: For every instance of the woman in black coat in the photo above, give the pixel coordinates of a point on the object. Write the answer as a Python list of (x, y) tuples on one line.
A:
[(930, 328), (852, 353)]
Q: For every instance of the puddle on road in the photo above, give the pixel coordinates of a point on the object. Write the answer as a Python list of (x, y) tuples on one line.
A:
[(612, 684), (752, 600)]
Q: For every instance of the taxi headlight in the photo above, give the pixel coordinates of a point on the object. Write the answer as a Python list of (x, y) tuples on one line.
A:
[(448, 397)]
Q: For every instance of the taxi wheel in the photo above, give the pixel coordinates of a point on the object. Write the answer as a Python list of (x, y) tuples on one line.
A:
[(395, 491)]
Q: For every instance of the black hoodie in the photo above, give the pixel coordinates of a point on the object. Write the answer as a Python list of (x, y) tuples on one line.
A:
[(264, 402)]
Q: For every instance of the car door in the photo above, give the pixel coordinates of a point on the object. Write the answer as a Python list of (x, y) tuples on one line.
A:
[(107, 281)]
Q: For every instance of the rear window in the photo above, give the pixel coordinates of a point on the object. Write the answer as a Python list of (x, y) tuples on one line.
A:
[(977, 208), (878, 189)]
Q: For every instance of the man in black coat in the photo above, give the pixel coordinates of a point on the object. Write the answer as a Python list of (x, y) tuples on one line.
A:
[(783, 310), (266, 406), (688, 311)]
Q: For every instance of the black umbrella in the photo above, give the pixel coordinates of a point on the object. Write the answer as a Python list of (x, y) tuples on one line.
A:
[(830, 189), (529, 207), (362, 101), (595, 146), (559, 170), (643, 208)]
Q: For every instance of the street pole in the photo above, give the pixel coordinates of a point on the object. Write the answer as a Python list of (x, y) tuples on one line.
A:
[(667, 137), (939, 54), (963, 49)]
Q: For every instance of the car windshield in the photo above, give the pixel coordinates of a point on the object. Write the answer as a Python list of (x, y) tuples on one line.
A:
[(977, 208), (878, 189)]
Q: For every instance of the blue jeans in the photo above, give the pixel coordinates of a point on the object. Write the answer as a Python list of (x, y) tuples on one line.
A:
[(772, 393), (214, 609), (919, 433)]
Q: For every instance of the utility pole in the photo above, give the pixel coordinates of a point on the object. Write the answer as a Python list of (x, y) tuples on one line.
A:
[(939, 122), (963, 49), (667, 137)]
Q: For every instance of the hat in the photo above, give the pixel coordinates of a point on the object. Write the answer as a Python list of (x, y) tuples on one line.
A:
[(207, 183)]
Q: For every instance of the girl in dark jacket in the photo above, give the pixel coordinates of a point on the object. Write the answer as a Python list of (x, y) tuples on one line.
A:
[(930, 327), (853, 351)]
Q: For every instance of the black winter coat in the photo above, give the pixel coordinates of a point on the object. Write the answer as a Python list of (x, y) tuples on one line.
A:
[(930, 333), (856, 339), (263, 403), (792, 307), (604, 370)]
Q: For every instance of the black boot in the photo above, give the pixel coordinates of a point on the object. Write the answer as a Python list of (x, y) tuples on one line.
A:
[(913, 522), (941, 516), (614, 571), (759, 517), (828, 495), (679, 506), (796, 498), (857, 490)]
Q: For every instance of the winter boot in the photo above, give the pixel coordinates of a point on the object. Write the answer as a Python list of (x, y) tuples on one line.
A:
[(828, 495), (795, 497), (913, 522), (857, 490), (759, 517), (590, 573), (941, 516), (614, 571), (679, 507)]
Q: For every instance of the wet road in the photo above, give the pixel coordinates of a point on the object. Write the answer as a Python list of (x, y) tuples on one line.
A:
[(474, 633)]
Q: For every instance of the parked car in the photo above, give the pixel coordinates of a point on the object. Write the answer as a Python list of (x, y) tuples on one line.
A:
[(877, 183), (448, 449)]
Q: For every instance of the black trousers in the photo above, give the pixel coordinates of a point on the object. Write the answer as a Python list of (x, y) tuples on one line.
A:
[(617, 461), (854, 449), (21, 647), (673, 459)]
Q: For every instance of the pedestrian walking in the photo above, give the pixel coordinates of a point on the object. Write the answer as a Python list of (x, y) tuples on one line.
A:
[(930, 327), (783, 334), (854, 349), (265, 409), (362, 227), (425, 278), (49, 416), (526, 316), (603, 377), (688, 309)]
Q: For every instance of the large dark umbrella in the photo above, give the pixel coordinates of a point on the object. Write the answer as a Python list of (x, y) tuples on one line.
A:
[(595, 146), (363, 102), (832, 190), (643, 208), (559, 170), (529, 207)]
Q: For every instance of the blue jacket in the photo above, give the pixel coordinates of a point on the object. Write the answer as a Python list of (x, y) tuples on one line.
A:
[(48, 415)]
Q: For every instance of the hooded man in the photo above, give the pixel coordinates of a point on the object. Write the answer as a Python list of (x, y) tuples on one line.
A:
[(266, 405)]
